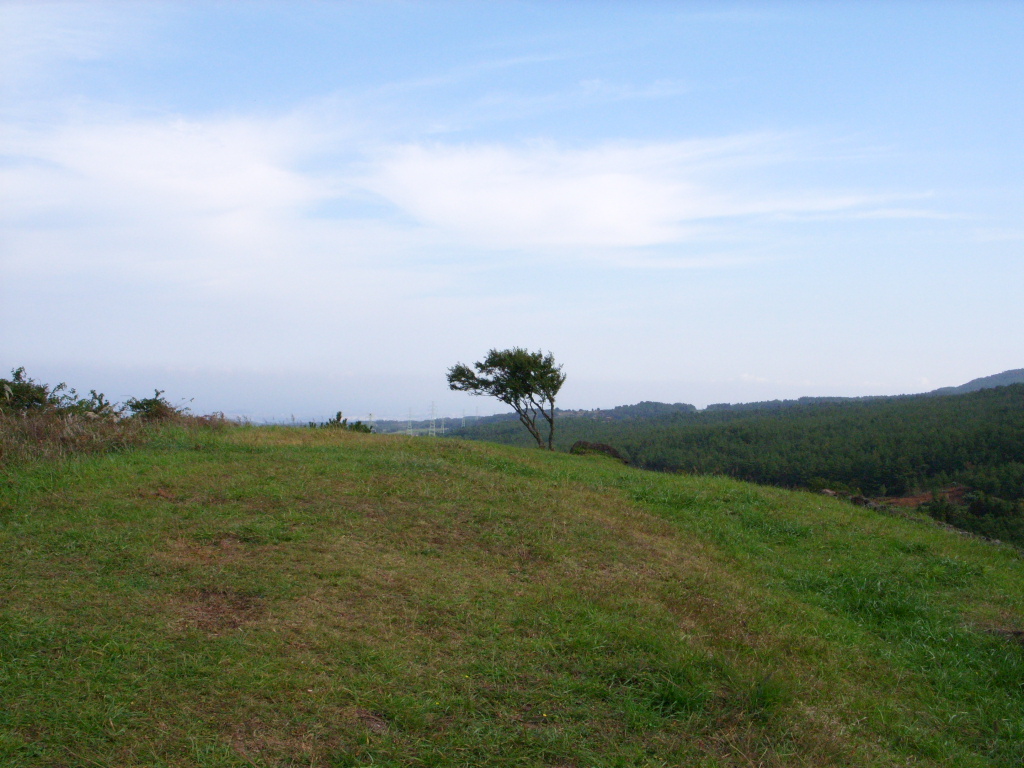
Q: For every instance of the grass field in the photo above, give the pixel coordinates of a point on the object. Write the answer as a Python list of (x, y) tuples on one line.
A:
[(297, 597)]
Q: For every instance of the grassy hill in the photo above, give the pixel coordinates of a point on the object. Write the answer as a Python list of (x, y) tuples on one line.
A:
[(298, 597)]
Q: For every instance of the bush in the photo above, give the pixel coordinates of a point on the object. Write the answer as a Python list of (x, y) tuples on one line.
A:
[(983, 515), (22, 394), (339, 423), (981, 504), (96, 405), (155, 408), (40, 422)]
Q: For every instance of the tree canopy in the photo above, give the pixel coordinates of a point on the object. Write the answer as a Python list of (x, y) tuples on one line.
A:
[(527, 381)]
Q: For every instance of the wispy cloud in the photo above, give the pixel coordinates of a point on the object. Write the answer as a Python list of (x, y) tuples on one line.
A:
[(145, 195), (608, 196), (223, 196), (497, 106), (41, 38), (231, 191), (467, 73)]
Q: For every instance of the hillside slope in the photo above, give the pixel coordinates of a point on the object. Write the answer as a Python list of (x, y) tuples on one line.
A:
[(1004, 379), (275, 597)]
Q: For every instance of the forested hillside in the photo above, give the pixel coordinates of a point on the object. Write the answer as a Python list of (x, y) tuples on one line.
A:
[(879, 447), (1003, 379)]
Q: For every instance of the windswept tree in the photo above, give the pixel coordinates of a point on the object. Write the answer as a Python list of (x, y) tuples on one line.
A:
[(527, 381)]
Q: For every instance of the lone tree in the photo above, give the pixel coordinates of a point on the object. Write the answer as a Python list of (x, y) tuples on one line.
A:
[(528, 381)]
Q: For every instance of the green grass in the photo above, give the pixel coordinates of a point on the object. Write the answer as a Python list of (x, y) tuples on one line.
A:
[(293, 597)]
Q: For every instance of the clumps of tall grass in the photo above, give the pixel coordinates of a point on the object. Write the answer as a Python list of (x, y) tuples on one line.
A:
[(51, 435), (38, 421)]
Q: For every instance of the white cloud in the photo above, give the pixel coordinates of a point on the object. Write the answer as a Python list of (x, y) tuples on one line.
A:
[(507, 198), (226, 202), (208, 196), (197, 166), (609, 196)]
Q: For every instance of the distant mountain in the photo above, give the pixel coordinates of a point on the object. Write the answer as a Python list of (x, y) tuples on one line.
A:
[(1004, 379)]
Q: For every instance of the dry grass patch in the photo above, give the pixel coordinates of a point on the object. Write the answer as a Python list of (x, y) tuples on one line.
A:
[(316, 743), (189, 552), (216, 611)]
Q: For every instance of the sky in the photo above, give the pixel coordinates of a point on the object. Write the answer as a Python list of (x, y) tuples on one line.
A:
[(283, 209)]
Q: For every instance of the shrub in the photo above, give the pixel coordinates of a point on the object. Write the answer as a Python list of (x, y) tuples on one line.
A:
[(22, 394), (155, 408), (40, 422), (339, 423), (983, 515), (96, 405), (981, 504)]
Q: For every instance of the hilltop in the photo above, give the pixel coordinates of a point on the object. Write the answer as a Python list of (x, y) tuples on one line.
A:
[(1004, 379), (289, 596)]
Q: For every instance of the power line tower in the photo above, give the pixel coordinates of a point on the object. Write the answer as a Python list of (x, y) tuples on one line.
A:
[(410, 422), (433, 420)]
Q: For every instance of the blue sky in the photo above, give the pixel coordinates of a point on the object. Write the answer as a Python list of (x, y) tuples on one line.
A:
[(291, 208)]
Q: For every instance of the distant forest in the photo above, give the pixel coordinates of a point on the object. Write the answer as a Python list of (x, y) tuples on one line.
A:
[(887, 446)]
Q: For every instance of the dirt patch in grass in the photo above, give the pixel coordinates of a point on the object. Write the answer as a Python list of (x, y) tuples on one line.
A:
[(206, 496), (1012, 635), (374, 722), (255, 740), (216, 611), (189, 552)]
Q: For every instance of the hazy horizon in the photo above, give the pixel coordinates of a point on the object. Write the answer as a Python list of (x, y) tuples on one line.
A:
[(260, 400)]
